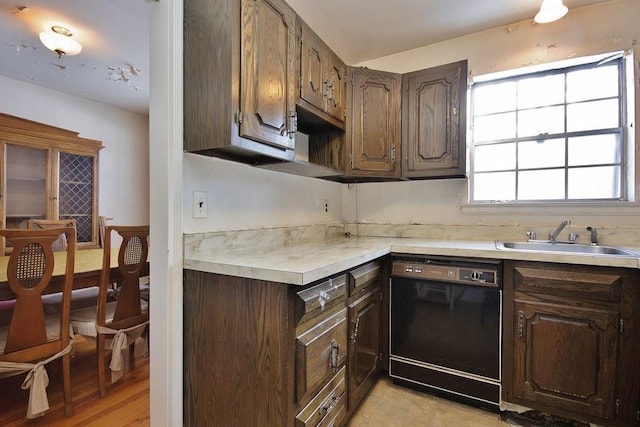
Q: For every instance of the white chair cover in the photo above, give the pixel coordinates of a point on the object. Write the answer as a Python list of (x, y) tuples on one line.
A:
[(36, 381), (120, 346)]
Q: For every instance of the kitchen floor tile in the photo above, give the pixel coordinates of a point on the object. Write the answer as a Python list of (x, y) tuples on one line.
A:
[(391, 405)]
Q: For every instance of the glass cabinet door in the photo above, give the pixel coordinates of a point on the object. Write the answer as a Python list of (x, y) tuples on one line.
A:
[(26, 182), (75, 192)]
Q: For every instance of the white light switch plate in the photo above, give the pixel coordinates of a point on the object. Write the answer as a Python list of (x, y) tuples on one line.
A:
[(199, 204)]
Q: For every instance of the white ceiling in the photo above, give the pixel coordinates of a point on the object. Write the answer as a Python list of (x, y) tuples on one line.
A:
[(115, 37)]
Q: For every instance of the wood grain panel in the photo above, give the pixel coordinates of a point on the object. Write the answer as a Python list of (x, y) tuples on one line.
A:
[(312, 68), (364, 345), (568, 349), (314, 353), (327, 149), (571, 282), (336, 86), (236, 346), (434, 121), (364, 276), (374, 131), (328, 403), (315, 300), (207, 54), (569, 358), (267, 91)]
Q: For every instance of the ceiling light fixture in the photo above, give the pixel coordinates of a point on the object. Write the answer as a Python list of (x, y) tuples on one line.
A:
[(59, 40), (551, 10)]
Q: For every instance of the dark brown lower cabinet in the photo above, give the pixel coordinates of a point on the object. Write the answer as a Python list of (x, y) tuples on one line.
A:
[(571, 340), (260, 353), (364, 344), (364, 311)]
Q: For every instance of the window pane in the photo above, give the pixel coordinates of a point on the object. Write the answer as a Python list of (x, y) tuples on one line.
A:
[(494, 186), (495, 126), (593, 115), (541, 91), (494, 98), (540, 121), (495, 157), (594, 183), (541, 185), (554, 135), (594, 149), (541, 154), (594, 83)]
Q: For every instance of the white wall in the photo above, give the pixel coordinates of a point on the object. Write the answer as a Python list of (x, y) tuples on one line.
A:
[(123, 179), (243, 197), (590, 30)]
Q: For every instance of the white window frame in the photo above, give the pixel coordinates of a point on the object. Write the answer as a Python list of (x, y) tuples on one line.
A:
[(627, 118)]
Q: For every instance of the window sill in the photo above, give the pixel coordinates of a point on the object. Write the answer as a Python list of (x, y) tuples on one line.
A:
[(582, 208)]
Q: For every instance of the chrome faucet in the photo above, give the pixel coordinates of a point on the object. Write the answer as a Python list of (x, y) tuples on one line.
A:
[(563, 224), (594, 235)]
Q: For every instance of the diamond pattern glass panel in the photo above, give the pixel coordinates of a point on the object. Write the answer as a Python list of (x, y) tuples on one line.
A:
[(76, 192)]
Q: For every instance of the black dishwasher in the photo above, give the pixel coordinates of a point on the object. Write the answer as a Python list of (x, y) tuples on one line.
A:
[(445, 326)]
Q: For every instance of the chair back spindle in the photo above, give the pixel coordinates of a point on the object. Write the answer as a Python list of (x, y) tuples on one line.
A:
[(132, 259)]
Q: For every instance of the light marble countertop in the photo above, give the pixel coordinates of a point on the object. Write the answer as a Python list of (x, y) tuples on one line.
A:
[(301, 263)]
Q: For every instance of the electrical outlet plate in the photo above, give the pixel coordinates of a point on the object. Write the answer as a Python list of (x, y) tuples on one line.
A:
[(199, 204), (325, 206)]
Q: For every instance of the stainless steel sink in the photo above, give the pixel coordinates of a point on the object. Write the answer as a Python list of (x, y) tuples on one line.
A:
[(575, 248)]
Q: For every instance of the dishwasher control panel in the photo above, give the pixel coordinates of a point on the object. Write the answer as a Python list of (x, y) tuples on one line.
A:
[(448, 270)]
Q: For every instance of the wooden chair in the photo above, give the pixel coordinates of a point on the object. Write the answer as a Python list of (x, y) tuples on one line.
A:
[(124, 320), (31, 340), (41, 224), (79, 298), (102, 226)]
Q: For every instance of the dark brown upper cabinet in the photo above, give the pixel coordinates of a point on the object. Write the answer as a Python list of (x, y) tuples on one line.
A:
[(373, 131), (407, 126), (322, 79), (239, 79), (434, 122)]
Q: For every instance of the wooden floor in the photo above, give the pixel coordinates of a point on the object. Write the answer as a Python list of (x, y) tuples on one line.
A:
[(126, 402)]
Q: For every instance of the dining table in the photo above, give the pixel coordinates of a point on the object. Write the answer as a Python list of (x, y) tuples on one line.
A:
[(87, 270)]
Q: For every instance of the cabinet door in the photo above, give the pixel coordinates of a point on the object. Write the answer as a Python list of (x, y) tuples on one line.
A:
[(76, 197), (364, 345), (336, 86), (27, 185), (312, 69), (267, 96), (434, 121), (373, 133), (565, 358)]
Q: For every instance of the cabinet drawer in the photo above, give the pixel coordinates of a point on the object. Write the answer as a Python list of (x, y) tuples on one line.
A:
[(320, 352), (364, 276), (318, 298), (327, 408), (575, 283)]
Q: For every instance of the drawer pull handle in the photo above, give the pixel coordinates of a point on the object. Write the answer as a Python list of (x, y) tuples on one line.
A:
[(520, 324), (329, 404), (335, 355), (323, 297)]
